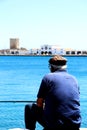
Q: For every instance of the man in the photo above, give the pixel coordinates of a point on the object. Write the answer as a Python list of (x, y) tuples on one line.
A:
[(58, 103)]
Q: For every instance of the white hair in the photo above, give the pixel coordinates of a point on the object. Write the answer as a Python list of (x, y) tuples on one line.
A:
[(59, 66)]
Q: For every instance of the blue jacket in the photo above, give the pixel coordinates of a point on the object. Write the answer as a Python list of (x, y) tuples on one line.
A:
[(60, 92)]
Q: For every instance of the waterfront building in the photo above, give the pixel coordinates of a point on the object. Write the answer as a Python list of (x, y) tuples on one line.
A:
[(34, 51), (46, 49), (51, 50), (23, 52), (14, 43)]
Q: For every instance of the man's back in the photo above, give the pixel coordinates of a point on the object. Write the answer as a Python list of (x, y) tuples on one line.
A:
[(61, 95)]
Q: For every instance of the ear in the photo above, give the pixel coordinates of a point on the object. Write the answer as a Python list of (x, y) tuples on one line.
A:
[(52, 69)]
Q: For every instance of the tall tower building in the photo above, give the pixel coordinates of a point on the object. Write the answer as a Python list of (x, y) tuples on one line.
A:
[(14, 43)]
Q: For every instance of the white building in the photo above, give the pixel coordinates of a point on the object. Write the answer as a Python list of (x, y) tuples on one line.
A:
[(51, 50)]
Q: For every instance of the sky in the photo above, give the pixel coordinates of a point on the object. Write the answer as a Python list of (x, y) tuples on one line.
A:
[(44, 22)]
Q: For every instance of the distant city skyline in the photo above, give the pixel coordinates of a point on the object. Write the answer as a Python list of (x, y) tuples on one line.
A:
[(39, 22)]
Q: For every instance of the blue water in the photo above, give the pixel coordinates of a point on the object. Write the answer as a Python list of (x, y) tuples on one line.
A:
[(20, 77)]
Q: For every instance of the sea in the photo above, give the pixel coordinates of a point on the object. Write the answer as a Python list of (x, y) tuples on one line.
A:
[(20, 78)]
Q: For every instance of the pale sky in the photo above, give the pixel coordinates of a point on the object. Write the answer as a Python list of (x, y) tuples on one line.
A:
[(39, 22)]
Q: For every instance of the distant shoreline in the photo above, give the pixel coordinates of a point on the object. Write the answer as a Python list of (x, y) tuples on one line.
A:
[(48, 55)]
